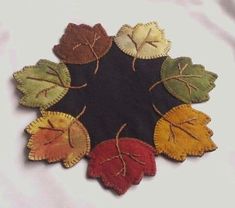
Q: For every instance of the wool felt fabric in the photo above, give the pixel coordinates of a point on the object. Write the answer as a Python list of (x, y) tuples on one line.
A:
[(115, 96), (117, 100)]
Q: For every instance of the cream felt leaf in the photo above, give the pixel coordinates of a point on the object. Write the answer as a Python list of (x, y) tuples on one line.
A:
[(43, 84), (144, 41), (56, 137)]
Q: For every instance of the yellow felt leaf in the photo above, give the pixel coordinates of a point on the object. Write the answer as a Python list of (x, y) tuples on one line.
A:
[(58, 137), (182, 131)]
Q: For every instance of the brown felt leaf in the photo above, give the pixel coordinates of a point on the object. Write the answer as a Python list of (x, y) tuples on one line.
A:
[(58, 136), (182, 131), (82, 44)]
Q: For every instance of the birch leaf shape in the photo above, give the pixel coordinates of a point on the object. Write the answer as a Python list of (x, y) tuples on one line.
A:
[(188, 82), (82, 44), (182, 132), (56, 137), (43, 84), (144, 41), (121, 162)]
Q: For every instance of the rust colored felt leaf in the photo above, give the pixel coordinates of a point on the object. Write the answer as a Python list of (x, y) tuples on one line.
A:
[(182, 131), (121, 162), (82, 44), (58, 137)]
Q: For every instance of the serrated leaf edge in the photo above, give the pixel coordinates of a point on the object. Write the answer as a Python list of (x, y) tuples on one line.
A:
[(28, 129), (130, 53), (20, 84), (194, 100)]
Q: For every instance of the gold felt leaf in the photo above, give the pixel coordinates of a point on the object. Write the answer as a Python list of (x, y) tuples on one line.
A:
[(58, 136), (144, 41), (182, 131)]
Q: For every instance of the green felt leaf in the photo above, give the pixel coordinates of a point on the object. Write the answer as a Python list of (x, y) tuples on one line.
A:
[(188, 82), (43, 84)]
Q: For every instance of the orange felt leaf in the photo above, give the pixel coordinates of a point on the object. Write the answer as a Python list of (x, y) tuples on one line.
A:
[(182, 131), (58, 136)]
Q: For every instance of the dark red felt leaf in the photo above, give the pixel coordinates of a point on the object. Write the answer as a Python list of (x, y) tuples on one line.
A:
[(106, 164), (82, 44)]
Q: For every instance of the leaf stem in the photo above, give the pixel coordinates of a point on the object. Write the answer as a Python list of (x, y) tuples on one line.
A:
[(119, 151), (177, 77), (139, 48), (55, 83), (81, 113), (91, 46), (120, 130), (120, 155)]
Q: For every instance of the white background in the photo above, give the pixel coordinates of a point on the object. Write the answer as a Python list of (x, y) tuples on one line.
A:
[(203, 30)]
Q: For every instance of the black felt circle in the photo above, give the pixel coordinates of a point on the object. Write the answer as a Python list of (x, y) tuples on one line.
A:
[(117, 95)]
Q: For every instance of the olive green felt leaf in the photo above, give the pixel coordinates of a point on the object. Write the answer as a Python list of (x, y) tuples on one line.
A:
[(144, 41), (188, 82), (43, 84)]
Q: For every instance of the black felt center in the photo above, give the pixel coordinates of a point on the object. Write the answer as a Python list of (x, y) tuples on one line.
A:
[(117, 95)]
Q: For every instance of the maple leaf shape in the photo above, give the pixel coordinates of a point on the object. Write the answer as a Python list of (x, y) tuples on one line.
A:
[(144, 41), (121, 162), (182, 131), (58, 136), (188, 82), (43, 84), (82, 44)]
